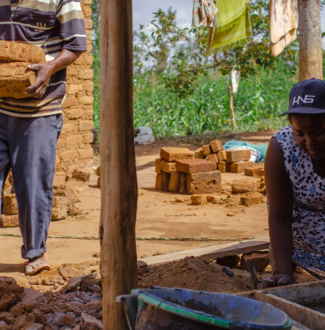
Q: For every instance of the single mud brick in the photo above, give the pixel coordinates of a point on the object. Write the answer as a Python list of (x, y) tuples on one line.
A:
[(222, 167), (238, 167), (158, 170), (159, 182), (14, 78), (10, 204), (195, 165), (260, 259), (216, 145), (198, 199), (250, 199), (222, 155), (60, 208), (167, 167), (80, 175), (238, 155), (261, 172), (210, 198), (59, 182), (165, 177), (183, 183), (198, 153), (228, 261), (241, 187), (206, 150), (173, 185), (203, 183), (213, 158), (252, 171), (9, 221), (171, 154), (98, 171), (20, 52)]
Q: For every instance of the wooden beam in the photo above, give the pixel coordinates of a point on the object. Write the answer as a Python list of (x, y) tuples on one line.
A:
[(310, 40), (212, 252), (117, 157)]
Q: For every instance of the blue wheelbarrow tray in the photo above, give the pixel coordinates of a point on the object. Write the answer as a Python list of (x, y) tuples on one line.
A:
[(173, 309)]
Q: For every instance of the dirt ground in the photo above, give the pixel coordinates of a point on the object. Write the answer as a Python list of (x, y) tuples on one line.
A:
[(158, 215)]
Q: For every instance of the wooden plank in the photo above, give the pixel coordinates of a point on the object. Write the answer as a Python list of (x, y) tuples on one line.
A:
[(303, 315), (312, 293), (212, 252)]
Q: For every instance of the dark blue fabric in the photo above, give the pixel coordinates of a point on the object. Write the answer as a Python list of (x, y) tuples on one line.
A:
[(28, 146)]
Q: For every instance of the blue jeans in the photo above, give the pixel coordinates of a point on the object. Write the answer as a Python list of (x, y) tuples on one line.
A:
[(28, 147)]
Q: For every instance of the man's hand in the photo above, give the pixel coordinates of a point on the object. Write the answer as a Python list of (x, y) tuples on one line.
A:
[(278, 280), (44, 73)]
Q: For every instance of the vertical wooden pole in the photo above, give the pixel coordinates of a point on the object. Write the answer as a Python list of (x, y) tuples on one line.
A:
[(310, 40), (231, 107), (118, 174)]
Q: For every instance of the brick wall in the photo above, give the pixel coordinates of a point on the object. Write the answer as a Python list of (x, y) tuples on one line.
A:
[(74, 149)]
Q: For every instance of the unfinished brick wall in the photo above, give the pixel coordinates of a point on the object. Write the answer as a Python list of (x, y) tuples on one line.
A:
[(74, 149)]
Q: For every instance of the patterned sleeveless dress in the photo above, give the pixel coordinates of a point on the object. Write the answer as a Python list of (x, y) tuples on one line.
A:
[(308, 225)]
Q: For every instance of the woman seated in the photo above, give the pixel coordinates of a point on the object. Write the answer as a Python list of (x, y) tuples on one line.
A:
[(295, 185)]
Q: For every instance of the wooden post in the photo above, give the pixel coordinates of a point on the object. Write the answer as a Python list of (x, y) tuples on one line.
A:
[(310, 40), (231, 107), (117, 158)]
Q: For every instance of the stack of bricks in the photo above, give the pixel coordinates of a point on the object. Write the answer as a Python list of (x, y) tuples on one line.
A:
[(14, 75), (234, 161), (74, 149), (178, 172)]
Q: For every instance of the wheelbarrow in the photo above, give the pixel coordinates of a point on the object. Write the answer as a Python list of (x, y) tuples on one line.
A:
[(181, 309)]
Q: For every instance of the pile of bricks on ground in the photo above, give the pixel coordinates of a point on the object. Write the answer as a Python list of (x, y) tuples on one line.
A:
[(178, 171), (235, 161), (64, 197)]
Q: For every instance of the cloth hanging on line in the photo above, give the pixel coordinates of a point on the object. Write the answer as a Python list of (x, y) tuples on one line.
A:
[(283, 24), (235, 75), (234, 31), (204, 13), (229, 13)]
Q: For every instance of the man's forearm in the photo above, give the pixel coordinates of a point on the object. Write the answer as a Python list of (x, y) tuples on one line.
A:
[(65, 58)]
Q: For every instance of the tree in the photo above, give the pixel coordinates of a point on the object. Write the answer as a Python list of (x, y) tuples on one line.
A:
[(188, 57)]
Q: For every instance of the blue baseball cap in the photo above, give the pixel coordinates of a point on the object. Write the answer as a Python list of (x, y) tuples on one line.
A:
[(307, 97)]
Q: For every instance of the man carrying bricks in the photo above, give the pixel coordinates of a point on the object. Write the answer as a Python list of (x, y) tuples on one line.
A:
[(30, 127)]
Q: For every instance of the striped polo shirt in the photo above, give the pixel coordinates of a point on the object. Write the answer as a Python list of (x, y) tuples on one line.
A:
[(53, 25)]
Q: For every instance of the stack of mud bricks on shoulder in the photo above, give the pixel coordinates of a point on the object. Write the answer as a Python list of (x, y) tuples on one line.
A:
[(178, 171), (74, 149)]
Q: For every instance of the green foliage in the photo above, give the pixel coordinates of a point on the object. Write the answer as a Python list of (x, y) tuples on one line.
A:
[(258, 103)]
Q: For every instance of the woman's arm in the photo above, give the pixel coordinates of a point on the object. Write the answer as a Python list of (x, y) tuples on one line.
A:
[(279, 195)]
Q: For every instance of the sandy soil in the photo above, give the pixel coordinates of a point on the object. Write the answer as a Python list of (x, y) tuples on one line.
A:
[(158, 215)]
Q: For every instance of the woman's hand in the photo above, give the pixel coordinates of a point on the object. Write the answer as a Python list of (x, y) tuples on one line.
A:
[(278, 280), (44, 73)]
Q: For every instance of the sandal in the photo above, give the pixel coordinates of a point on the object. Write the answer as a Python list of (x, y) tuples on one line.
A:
[(34, 267)]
